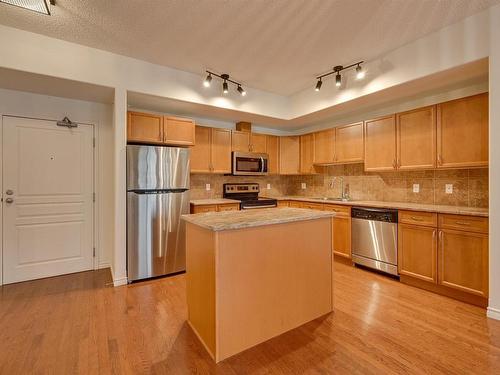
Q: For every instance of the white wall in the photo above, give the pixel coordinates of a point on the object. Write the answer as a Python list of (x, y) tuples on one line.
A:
[(19, 103), (494, 303)]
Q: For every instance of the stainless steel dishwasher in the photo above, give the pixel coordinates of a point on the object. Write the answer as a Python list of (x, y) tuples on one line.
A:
[(375, 238)]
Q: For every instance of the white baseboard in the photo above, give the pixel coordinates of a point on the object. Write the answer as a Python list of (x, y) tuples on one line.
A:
[(120, 281), (493, 313), (104, 265)]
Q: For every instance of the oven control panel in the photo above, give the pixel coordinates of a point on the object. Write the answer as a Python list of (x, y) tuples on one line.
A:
[(241, 188)]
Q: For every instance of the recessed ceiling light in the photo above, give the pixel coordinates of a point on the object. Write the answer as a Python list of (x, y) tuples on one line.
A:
[(39, 6)]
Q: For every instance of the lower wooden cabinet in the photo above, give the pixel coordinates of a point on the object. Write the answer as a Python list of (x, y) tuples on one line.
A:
[(463, 261), (197, 209), (417, 252)]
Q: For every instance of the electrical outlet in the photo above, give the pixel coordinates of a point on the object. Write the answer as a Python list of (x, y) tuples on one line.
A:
[(303, 185), (416, 188), (449, 189), (268, 186), (207, 187)]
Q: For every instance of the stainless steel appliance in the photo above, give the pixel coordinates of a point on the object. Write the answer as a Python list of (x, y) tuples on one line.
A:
[(375, 238), (157, 196), (249, 164), (248, 195)]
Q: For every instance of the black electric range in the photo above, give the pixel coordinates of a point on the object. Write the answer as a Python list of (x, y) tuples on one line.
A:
[(248, 195)]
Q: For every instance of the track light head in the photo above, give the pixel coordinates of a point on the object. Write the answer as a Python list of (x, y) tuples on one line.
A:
[(208, 80), (241, 90), (225, 88), (360, 73), (318, 85), (338, 80)]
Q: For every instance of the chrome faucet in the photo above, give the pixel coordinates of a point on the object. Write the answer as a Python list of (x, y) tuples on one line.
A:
[(344, 194)]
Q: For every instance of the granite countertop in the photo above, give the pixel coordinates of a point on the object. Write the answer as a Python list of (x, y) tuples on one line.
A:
[(227, 220), (443, 209), (202, 202)]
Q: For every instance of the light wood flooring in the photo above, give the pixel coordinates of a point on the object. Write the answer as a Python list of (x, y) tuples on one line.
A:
[(78, 324)]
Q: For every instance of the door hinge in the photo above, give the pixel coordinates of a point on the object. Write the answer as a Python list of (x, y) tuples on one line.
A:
[(93, 252), (93, 142), (93, 197)]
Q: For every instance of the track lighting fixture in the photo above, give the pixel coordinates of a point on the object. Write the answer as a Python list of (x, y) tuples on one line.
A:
[(225, 82), (360, 74)]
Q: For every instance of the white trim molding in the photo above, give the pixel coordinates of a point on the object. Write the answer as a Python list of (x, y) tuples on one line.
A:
[(493, 313), (120, 281)]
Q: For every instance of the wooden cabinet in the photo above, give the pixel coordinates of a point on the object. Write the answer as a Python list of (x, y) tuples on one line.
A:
[(295, 204), (212, 151), (380, 144), (417, 252), (272, 149), (307, 154), (462, 132), (341, 229), (144, 127), (220, 155), (258, 143), (178, 131), (311, 205), (283, 204), (416, 139), (428, 219), (202, 208), (349, 143), (228, 207), (324, 147), (200, 153), (289, 160), (463, 261), (240, 141)]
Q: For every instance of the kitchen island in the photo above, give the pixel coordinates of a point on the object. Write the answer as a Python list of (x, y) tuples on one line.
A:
[(255, 274)]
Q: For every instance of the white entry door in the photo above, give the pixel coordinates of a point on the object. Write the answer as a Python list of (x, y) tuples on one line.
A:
[(47, 199)]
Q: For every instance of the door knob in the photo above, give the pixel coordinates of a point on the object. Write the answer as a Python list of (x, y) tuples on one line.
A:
[(9, 192), (9, 200)]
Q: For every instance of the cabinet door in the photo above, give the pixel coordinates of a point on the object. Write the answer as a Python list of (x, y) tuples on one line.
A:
[(272, 147), (462, 132), (380, 144), (463, 261), (349, 144), (200, 153), (341, 232), (417, 252), (324, 147), (203, 208), (289, 155), (283, 204), (240, 141), (228, 207), (258, 143), (221, 151), (144, 128), (306, 154), (178, 131), (416, 134)]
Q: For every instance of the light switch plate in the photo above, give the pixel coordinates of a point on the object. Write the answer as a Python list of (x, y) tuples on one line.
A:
[(268, 186), (303, 185), (416, 188), (207, 187), (449, 188)]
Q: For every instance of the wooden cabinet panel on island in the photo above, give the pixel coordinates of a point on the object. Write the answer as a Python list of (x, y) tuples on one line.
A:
[(462, 132), (324, 147), (178, 131), (307, 154), (349, 143), (144, 127), (380, 144), (273, 151), (416, 138), (289, 160)]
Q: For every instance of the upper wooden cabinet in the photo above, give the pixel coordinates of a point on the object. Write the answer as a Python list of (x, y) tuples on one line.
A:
[(416, 138), (380, 144), (349, 143), (144, 127), (156, 129), (289, 160), (212, 152), (462, 132), (272, 149), (307, 154), (258, 143), (240, 141), (324, 147)]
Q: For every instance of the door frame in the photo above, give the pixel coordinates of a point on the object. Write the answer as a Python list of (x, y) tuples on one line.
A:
[(95, 184)]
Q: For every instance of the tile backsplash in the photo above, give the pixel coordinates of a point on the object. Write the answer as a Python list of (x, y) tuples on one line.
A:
[(470, 186)]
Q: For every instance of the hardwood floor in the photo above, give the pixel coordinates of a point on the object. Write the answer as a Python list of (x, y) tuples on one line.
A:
[(78, 324)]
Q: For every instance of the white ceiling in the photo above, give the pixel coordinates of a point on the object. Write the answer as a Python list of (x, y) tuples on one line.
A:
[(277, 46)]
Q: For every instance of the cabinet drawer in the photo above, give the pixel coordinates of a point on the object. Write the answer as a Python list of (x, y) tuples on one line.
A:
[(283, 204), (311, 206), (203, 208), (464, 223), (228, 207), (295, 204), (341, 211), (428, 219)]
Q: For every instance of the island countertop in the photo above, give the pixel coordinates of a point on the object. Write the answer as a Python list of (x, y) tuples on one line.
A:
[(219, 221)]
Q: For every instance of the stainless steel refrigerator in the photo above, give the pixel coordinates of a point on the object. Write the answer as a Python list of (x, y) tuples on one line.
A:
[(157, 196)]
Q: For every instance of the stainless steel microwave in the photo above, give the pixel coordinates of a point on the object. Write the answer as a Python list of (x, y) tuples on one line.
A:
[(249, 164)]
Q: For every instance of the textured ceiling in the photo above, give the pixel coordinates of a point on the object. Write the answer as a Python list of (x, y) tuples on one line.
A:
[(274, 45)]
